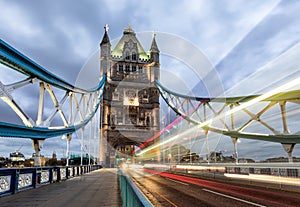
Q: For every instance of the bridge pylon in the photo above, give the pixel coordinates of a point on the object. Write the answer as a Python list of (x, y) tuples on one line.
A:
[(289, 150), (37, 147), (235, 141), (68, 137)]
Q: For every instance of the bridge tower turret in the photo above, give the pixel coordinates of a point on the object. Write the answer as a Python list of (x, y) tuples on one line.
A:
[(105, 56), (155, 73), (105, 50), (154, 51)]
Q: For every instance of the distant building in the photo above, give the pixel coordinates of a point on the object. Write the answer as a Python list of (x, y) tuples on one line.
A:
[(16, 158), (190, 158), (280, 159), (3, 162), (86, 159)]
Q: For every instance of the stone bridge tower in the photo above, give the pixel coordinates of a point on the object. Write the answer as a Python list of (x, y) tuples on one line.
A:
[(130, 107)]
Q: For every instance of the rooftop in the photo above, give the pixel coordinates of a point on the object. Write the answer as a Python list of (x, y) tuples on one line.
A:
[(127, 35)]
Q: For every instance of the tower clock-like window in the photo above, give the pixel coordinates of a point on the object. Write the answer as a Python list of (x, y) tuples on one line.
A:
[(115, 96), (130, 98)]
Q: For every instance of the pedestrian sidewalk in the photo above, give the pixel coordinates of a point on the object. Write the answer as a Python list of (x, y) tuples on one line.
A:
[(98, 188)]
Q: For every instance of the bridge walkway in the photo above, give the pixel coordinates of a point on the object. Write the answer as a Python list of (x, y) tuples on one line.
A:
[(98, 188)]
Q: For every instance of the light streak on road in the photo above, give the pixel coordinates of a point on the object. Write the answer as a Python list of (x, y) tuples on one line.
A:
[(266, 178)]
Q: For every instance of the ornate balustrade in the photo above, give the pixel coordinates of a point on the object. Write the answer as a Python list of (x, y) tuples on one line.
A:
[(13, 180)]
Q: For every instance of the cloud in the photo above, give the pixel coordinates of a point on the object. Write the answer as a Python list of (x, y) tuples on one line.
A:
[(14, 20), (284, 69), (267, 40)]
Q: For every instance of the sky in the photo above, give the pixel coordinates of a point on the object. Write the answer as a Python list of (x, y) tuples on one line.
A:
[(239, 38)]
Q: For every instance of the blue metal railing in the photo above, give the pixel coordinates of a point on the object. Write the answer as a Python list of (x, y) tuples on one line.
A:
[(13, 180), (131, 195)]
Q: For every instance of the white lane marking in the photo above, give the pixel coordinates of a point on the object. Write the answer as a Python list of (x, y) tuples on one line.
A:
[(227, 196), (177, 181)]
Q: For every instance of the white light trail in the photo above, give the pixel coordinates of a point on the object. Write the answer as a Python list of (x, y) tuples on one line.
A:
[(207, 123)]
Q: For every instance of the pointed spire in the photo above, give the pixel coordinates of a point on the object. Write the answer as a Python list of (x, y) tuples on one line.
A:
[(129, 30), (154, 51), (154, 47), (105, 38)]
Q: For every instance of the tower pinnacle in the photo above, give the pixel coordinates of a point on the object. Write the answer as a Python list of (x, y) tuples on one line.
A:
[(154, 51), (154, 47), (105, 38), (106, 27)]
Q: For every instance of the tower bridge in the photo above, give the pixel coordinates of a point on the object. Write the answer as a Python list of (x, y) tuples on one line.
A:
[(129, 99)]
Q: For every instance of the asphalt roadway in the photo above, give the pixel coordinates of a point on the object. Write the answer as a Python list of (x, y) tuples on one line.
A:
[(165, 189), (98, 188)]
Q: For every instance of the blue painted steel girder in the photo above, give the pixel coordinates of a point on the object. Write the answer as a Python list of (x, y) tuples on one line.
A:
[(13, 130), (17, 61)]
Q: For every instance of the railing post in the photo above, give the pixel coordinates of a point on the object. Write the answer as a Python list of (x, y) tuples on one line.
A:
[(51, 175), (34, 178), (14, 181), (38, 175), (67, 173), (58, 174)]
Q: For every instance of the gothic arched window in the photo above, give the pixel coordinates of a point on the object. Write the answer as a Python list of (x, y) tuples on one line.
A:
[(134, 56), (120, 68), (127, 56), (133, 68)]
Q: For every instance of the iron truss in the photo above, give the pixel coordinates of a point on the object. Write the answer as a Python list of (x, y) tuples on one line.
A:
[(271, 118), (71, 112)]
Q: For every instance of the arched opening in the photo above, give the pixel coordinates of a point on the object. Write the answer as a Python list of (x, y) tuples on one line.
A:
[(134, 56), (127, 55), (125, 153)]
